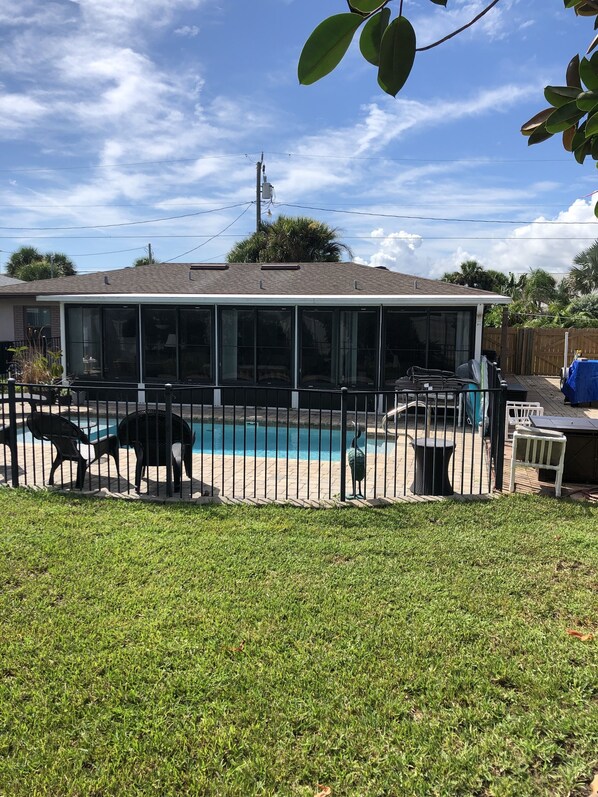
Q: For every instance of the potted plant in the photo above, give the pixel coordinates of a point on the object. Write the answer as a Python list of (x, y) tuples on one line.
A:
[(44, 369)]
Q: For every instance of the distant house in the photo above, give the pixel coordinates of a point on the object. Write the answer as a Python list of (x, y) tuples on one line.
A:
[(225, 326), (6, 321)]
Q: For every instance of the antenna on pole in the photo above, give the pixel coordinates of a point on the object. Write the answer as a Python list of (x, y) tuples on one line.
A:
[(263, 190)]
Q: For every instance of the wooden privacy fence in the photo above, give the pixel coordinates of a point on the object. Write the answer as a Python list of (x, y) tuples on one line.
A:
[(539, 352)]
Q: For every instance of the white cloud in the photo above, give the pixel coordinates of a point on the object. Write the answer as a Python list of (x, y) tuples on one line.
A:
[(551, 246), (187, 31), (18, 112), (121, 17), (396, 252)]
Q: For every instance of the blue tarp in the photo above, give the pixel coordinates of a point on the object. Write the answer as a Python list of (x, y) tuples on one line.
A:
[(581, 386)]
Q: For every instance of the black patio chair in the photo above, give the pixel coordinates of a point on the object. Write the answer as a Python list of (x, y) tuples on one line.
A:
[(5, 438), (71, 443), (145, 432)]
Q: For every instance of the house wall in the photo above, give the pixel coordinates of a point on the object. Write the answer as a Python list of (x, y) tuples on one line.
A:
[(7, 320)]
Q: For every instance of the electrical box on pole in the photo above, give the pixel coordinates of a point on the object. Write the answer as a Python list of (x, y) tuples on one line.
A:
[(263, 190)]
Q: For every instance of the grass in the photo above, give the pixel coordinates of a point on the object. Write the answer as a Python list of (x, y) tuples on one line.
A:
[(184, 650)]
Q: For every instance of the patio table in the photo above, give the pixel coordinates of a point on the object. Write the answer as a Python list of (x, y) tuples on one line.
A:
[(432, 457), (581, 455)]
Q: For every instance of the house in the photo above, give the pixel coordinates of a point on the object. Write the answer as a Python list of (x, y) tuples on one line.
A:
[(278, 325)]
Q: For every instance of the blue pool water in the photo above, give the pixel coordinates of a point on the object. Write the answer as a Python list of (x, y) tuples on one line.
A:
[(272, 441), (258, 440)]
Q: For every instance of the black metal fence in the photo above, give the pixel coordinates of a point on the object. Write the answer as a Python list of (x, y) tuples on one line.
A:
[(163, 443)]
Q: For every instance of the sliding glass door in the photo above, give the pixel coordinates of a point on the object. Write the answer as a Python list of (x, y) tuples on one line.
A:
[(256, 346)]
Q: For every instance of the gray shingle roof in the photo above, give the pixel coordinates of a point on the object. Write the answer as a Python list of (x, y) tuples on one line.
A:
[(308, 279), (6, 280)]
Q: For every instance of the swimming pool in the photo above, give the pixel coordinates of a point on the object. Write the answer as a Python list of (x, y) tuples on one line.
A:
[(255, 439)]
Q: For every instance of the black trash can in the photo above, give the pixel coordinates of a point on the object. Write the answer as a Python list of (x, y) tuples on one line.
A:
[(432, 458)]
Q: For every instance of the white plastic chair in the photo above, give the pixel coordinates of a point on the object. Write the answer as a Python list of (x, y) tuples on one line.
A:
[(518, 413), (539, 449)]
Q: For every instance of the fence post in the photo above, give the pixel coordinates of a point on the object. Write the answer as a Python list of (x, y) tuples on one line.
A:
[(168, 441), (343, 490), (12, 432), (499, 459)]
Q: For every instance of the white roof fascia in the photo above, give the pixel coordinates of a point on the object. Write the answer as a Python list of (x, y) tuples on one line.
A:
[(284, 299)]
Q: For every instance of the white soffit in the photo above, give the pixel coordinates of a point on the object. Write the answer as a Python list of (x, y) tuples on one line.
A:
[(427, 300)]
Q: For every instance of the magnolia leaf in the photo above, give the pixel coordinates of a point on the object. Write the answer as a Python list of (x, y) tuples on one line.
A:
[(364, 6), (593, 44), (580, 153), (571, 3), (568, 137), (560, 95), (592, 126), (536, 121), (371, 36), (573, 78), (587, 100), (588, 72), (540, 134), (564, 117), (439, 2), (397, 54), (580, 137), (594, 147), (326, 46)]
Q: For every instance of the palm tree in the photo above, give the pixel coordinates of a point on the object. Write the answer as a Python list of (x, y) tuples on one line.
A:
[(290, 239), (583, 276), (22, 257), (540, 288), (28, 264), (474, 275), (143, 261)]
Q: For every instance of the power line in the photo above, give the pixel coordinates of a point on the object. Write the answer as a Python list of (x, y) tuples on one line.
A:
[(31, 169), (464, 159), (302, 156), (212, 238), (94, 254), (518, 222), (175, 236), (130, 223)]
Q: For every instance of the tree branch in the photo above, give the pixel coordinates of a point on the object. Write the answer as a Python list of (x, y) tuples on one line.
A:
[(459, 30)]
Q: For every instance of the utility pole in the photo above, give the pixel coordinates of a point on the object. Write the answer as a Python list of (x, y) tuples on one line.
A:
[(149, 253), (258, 193), (263, 190)]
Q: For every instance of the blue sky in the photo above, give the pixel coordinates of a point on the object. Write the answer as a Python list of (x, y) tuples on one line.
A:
[(116, 113)]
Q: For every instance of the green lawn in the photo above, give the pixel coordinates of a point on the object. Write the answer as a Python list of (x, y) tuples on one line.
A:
[(415, 650)]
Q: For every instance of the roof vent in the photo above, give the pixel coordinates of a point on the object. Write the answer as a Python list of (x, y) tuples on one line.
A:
[(206, 267), (383, 268), (280, 267), (356, 286), (106, 280), (209, 267)]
